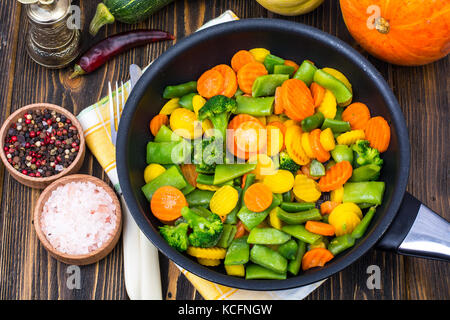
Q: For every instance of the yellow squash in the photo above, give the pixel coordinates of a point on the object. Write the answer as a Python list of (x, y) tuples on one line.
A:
[(290, 7)]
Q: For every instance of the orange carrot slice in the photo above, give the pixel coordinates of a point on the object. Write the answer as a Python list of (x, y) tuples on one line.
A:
[(320, 153), (230, 80), (328, 206), (291, 64), (167, 202), (321, 228), (240, 59), (378, 132), (357, 114), (318, 92), (278, 104), (316, 257), (210, 83), (157, 122), (240, 230), (278, 124), (248, 74), (336, 176), (298, 102), (250, 137), (258, 197)]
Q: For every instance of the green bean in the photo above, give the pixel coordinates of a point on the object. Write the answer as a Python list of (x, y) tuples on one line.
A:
[(313, 122), (365, 173), (180, 90), (298, 231), (205, 179), (283, 69), (342, 94), (337, 126), (297, 206), (361, 228), (299, 217), (168, 152), (238, 252), (341, 243), (170, 177), (370, 192), (270, 61), (267, 236), (226, 172), (199, 197), (267, 84), (268, 258), (288, 249), (254, 271), (294, 265), (186, 101), (306, 72), (258, 107)]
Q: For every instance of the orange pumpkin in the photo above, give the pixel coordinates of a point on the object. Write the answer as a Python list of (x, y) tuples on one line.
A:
[(402, 32)]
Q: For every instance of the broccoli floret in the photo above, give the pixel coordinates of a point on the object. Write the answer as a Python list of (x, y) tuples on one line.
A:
[(365, 154), (286, 163), (206, 231), (211, 153), (176, 236), (218, 109)]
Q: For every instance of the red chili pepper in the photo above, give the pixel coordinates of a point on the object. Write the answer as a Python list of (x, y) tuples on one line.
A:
[(106, 49)]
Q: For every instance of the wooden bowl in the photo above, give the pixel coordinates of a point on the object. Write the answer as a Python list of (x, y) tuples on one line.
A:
[(41, 182), (93, 256)]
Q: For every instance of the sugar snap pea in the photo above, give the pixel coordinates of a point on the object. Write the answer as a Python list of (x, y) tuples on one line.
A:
[(267, 236), (306, 72), (299, 217), (227, 235), (199, 197), (337, 126), (238, 252), (288, 249), (227, 172), (298, 231), (283, 69), (271, 61), (341, 243), (268, 258), (186, 101), (267, 84), (369, 192), (340, 91), (365, 173), (294, 265), (316, 169), (361, 228), (296, 206), (251, 219), (258, 107), (342, 152), (171, 177), (168, 152), (254, 271)]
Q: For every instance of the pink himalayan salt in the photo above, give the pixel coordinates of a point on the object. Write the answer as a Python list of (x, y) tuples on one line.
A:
[(78, 218)]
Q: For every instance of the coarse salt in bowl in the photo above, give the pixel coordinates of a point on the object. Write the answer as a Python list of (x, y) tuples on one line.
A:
[(78, 219)]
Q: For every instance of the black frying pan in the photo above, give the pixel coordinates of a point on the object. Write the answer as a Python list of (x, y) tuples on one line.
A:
[(401, 223)]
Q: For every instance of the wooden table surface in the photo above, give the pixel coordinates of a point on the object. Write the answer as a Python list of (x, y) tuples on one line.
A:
[(26, 270)]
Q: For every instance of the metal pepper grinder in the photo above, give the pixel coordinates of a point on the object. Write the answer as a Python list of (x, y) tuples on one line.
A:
[(50, 42)]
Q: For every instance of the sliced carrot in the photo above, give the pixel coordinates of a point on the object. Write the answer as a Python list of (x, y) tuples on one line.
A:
[(318, 92), (378, 132), (278, 124), (291, 64), (250, 137), (240, 230), (321, 228), (336, 176), (190, 173), (328, 206), (316, 257), (240, 59), (244, 178), (157, 122), (357, 114), (298, 102), (258, 197), (230, 80), (167, 202), (320, 153), (210, 83), (278, 104), (248, 74), (240, 118)]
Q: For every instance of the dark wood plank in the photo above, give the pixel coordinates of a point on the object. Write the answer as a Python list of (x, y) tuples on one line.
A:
[(27, 272)]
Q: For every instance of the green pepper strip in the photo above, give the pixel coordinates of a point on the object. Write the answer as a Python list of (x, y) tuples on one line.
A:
[(180, 90)]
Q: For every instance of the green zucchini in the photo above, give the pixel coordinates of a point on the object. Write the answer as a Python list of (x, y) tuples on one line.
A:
[(126, 11)]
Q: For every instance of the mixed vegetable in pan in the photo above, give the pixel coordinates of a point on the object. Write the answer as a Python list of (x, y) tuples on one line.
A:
[(264, 165)]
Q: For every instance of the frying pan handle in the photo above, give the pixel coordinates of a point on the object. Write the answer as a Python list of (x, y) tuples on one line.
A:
[(418, 231)]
